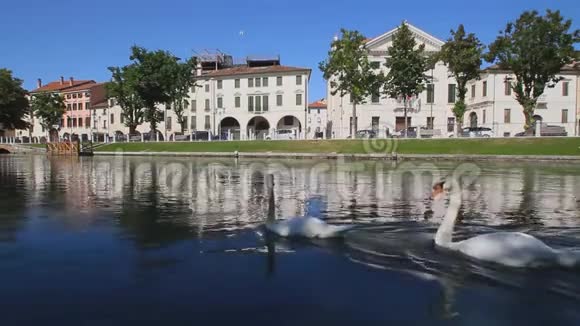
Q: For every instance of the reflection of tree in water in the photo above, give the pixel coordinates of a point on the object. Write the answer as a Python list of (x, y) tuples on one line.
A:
[(12, 198), (526, 212), (142, 214)]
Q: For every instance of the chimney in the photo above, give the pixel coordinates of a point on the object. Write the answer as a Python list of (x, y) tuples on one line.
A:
[(61, 80), (71, 81), (198, 69), (38, 83)]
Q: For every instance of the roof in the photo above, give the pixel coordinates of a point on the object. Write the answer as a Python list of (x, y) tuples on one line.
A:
[(424, 36), (245, 70), (81, 87), (102, 104), (58, 86), (317, 105)]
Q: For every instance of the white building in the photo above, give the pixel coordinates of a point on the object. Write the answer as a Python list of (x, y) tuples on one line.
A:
[(491, 103), (433, 108), (249, 101), (317, 120)]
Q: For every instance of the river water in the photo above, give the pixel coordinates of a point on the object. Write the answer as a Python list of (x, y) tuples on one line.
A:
[(175, 241)]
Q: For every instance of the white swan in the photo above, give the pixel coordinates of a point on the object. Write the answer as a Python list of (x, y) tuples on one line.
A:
[(513, 249), (303, 226)]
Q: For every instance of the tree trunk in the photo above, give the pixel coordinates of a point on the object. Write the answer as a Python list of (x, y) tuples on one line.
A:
[(529, 115), (353, 122), (405, 116), (132, 129)]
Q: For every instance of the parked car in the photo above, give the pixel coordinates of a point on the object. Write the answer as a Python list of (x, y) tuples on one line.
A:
[(284, 134), (366, 134), (545, 131), (411, 132), (477, 132)]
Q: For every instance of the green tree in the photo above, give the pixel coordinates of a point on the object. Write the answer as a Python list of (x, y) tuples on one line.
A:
[(407, 64), (534, 48), (462, 53), (49, 108), (349, 71), (123, 89), (183, 80), (13, 101), (155, 73)]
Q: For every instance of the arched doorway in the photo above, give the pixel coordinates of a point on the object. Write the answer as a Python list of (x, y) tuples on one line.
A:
[(287, 123), (538, 117), (258, 128), (119, 136), (229, 129), (473, 120)]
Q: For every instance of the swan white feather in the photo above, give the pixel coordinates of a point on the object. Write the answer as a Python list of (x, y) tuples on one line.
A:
[(513, 249), (307, 227)]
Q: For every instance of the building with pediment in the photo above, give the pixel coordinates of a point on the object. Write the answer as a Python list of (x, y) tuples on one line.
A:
[(488, 104)]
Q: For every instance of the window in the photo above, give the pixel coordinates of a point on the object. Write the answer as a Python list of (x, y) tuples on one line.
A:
[(193, 88), (450, 124), (375, 97), (430, 122), (87, 94), (251, 103), (112, 102), (112, 118), (565, 116), (265, 81), (507, 88), (237, 83), (87, 105), (74, 106), (207, 104), (207, 125), (80, 106), (565, 88), (250, 82), (87, 122), (74, 95), (473, 91), (507, 116), (220, 84), (484, 90), (168, 123), (258, 82), (104, 124), (80, 122), (258, 102), (375, 124), (68, 122), (299, 80), (279, 100), (80, 95), (121, 118), (265, 103), (68, 96), (484, 117), (298, 99), (375, 64), (237, 101), (220, 102), (207, 88), (193, 125), (193, 105), (451, 88), (430, 93), (68, 107), (279, 81), (74, 122)]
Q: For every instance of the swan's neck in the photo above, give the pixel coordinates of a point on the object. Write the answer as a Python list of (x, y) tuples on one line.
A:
[(444, 235)]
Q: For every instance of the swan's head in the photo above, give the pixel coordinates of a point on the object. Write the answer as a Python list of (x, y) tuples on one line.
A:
[(438, 190)]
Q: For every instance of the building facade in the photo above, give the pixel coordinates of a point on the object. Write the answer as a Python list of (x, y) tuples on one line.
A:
[(490, 105), (317, 120)]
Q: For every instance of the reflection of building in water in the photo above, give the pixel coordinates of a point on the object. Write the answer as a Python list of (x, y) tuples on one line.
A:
[(219, 192)]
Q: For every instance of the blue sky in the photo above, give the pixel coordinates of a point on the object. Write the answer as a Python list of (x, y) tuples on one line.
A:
[(49, 39)]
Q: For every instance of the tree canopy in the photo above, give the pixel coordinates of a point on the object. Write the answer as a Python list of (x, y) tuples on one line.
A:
[(462, 53), (123, 88), (534, 48), (183, 80), (349, 71), (407, 64), (49, 108), (14, 104)]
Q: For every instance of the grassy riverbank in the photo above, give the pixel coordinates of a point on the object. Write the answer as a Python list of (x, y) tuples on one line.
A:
[(499, 146)]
